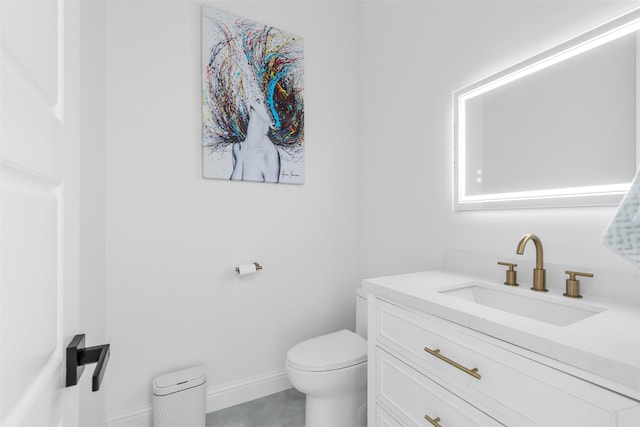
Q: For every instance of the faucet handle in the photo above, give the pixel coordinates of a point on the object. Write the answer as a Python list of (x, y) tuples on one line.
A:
[(573, 284), (511, 273)]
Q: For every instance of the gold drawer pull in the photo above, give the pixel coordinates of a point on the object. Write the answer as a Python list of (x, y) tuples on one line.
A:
[(433, 421), (473, 372)]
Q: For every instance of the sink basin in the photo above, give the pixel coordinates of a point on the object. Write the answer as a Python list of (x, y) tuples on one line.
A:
[(531, 306)]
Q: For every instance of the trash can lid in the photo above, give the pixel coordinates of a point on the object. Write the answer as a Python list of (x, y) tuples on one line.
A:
[(179, 380)]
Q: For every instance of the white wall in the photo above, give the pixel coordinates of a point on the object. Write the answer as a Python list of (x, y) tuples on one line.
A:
[(173, 238), (413, 55), (377, 198)]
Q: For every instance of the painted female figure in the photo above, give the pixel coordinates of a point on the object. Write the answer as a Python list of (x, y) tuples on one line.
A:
[(253, 115), (256, 158)]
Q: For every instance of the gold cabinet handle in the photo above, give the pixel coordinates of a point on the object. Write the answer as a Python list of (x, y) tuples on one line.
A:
[(473, 372), (434, 421)]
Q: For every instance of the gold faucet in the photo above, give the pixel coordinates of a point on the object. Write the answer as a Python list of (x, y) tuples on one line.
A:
[(538, 272)]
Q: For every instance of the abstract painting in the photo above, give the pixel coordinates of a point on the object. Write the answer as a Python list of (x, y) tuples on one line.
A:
[(252, 100)]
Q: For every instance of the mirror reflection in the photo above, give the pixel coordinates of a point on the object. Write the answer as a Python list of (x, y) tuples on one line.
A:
[(557, 130)]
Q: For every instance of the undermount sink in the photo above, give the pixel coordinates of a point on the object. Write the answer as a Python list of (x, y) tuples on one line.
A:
[(531, 306)]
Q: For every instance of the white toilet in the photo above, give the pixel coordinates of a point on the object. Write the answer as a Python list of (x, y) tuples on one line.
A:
[(332, 371)]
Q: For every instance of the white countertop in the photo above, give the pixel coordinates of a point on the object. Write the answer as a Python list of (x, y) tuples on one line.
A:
[(603, 348)]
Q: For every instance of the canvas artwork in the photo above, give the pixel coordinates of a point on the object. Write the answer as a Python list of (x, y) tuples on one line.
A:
[(252, 100)]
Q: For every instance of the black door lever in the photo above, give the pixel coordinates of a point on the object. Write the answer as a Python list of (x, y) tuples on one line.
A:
[(78, 356)]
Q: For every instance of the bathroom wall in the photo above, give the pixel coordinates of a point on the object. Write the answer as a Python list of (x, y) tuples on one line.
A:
[(413, 55), (173, 238), (377, 198)]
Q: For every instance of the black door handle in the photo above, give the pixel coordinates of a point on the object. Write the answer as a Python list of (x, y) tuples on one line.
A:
[(78, 356)]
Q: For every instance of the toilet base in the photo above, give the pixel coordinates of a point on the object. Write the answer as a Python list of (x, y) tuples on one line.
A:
[(334, 398)]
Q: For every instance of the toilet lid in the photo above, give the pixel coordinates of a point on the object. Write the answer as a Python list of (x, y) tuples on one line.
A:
[(328, 352)]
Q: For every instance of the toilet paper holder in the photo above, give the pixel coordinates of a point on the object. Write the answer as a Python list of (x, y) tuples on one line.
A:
[(258, 267)]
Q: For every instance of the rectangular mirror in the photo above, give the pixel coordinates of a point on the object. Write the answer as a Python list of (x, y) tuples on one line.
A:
[(558, 129)]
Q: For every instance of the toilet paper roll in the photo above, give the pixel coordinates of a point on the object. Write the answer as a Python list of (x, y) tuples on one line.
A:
[(245, 269)]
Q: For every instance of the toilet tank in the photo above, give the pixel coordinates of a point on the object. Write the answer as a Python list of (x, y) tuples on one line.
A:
[(361, 313)]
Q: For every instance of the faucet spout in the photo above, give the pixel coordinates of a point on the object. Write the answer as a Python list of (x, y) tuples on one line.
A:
[(539, 273), (537, 243)]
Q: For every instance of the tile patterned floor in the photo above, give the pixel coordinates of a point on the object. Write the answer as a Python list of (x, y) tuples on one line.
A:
[(284, 409)]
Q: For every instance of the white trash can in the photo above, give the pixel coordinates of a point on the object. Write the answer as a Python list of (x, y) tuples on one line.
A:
[(179, 398)]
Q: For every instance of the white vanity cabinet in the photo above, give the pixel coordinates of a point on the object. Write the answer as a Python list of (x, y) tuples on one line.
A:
[(427, 371)]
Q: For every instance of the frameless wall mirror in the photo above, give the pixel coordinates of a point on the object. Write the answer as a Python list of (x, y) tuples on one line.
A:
[(558, 129)]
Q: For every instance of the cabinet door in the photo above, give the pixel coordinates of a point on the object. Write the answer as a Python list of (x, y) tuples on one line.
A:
[(509, 387), (384, 419), (415, 399)]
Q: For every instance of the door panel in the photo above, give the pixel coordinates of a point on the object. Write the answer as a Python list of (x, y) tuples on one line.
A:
[(38, 197), (30, 312), (32, 37)]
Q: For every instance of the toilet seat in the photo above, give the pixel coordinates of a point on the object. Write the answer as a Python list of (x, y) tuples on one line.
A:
[(329, 352)]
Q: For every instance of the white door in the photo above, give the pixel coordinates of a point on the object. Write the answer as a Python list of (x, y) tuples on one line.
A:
[(38, 210)]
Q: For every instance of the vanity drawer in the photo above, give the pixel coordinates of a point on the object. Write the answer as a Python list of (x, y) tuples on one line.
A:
[(524, 391), (411, 396), (384, 419)]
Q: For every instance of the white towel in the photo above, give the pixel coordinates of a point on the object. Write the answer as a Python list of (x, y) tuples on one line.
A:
[(623, 234)]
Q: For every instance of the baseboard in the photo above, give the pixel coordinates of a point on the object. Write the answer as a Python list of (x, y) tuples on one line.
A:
[(246, 390), (142, 417), (217, 398)]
